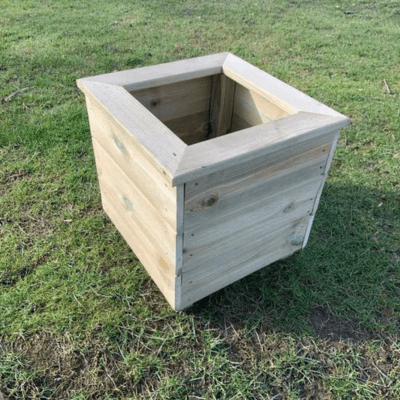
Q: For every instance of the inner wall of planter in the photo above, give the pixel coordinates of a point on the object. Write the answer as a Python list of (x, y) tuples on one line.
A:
[(204, 108)]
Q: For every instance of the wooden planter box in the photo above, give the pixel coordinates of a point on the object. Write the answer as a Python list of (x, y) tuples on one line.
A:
[(209, 167)]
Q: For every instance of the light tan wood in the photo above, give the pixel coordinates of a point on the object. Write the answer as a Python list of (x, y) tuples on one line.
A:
[(223, 93), (158, 143), (226, 151), (254, 108), (312, 153), (191, 129), (277, 92), (325, 175), (240, 262), (176, 100), (129, 199), (139, 167), (162, 74), (151, 239), (237, 222), (180, 205), (199, 213)]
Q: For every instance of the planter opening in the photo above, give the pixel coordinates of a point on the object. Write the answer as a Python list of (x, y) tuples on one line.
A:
[(204, 108)]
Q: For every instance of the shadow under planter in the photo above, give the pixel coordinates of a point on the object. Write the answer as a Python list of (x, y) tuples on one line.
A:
[(209, 167)]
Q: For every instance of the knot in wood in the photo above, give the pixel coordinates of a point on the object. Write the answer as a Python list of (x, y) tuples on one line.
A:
[(155, 103), (210, 201)]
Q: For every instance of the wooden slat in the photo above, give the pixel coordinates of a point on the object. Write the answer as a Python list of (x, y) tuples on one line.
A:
[(148, 134), (277, 92), (241, 261), (223, 92), (325, 174), (162, 74), (261, 170), (223, 152), (143, 248), (135, 207), (180, 205), (176, 100), (246, 223), (191, 129), (128, 155), (254, 108)]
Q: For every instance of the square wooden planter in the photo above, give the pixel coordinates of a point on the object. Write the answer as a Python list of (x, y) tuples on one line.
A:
[(209, 167)]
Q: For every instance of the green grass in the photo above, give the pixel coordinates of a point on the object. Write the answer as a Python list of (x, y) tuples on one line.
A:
[(79, 316)]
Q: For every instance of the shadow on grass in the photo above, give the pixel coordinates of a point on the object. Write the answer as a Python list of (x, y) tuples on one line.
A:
[(344, 285)]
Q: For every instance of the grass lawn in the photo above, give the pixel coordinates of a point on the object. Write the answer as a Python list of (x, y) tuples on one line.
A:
[(79, 316)]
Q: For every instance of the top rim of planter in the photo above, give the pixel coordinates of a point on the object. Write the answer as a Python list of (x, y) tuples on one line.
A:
[(184, 163)]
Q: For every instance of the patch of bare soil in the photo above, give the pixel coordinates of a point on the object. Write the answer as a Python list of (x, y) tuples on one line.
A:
[(328, 326)]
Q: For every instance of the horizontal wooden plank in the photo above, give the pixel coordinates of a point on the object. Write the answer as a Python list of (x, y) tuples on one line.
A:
[(191, 129), (135, 207), (161, 74), (158, 143), (176, 100), (125, 151), (277, 92), (254, 108), (247, 223), (211, 212), (149, 256), (226, 151), (156, 261), (243, 177), (241, 261)]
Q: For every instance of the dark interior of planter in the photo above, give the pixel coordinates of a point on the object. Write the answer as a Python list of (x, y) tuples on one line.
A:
[(204, 108)]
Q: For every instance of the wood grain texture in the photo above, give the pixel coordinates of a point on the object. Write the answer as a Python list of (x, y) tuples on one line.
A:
[(277, 92), (123, 149), (261, 169), (325, 175), (233, 223), (191, 129), (240, 262), (254, 108), (223, 152), (162, 74), (135, 204), (180, 205), (150, 237), (176, 100), (157, 143), (223, 93)]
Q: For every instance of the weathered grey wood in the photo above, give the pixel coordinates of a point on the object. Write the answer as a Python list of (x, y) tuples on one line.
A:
[(325, 175), (261, 169), (180, 205), (191, 129), (138, 165), (162, 74), (176, 100), (162, 147), (236, 222), (254, 108), (223, 92), (240, 262), (152, 239), (277, 92), (223, 152)]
